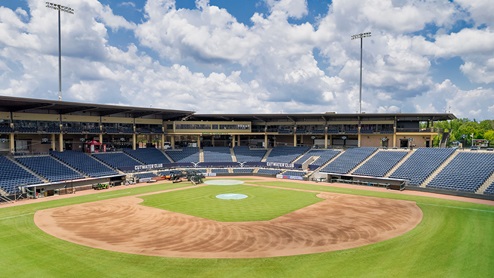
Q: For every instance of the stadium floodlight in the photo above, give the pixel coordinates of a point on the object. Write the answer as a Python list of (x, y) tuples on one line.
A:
[(361, 36), (69, 10)]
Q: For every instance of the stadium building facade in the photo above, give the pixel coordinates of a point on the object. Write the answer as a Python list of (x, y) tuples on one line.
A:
[(33, 126)]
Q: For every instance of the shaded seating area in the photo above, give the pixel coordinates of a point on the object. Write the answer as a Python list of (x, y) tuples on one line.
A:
[(294, 173), (490, 189), (380, 163), (285, 154), (421, 164), (118, 160), (243, 170), (188, 154), (268, 172), (245, 154), (348, 160), (466, 172), (217, 154), (147, 155), (12, 176), (49, 168), (219, 170), (84, 163)]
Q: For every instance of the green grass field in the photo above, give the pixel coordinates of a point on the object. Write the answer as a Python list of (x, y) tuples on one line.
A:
[(454, 239)]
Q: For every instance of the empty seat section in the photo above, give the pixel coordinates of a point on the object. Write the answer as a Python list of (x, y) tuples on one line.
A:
[(147, 155), (421, 164), (322, 156), (118, 160), (285, 154), (145, 175), (188, 154), (243, 170), (490, 189), (217, 154), (12, 176), (219, 171), (466, 172), (294, 173), (245, 154), (380, 163), (84, 163), (268, 171), (348, 160), (49, 168)]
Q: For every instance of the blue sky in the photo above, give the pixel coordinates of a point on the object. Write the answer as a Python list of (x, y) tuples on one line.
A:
[(255, 56)]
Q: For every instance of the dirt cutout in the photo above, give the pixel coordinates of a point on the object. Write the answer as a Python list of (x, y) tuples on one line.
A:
[(336, 223)]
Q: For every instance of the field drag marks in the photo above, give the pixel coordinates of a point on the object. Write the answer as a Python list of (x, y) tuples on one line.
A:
[(123, 225)]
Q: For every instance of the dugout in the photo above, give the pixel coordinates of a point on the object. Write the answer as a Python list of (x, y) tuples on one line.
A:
[(388, 183)]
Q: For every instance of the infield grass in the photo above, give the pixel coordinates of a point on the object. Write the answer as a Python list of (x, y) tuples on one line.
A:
[(454, 239), (261, 204)]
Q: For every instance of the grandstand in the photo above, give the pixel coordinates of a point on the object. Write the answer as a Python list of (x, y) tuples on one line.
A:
[(421, 164), (246, 154), (348, 160), (49, 168), (380, 164), (147, 155), (285, 154), (12, 176), (217, 154), (117, 160), (84, 163), (188, 154)]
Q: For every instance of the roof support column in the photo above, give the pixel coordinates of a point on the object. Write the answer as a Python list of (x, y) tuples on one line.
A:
[(12, 142), (199, 141), (325, 140), (53, 143), (60, 142), (265, 141), (134, 141), (162, 142)]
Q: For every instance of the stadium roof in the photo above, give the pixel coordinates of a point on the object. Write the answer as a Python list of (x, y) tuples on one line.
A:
[(325, 116), (30, 105)]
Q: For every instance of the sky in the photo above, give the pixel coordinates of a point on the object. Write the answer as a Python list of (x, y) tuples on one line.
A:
[(255, 56)]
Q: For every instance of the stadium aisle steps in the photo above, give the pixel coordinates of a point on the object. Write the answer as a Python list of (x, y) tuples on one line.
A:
[(232, 153), (27, 169), (364, 161), (438, 169), (486, 184), (399, 163), (265, 158)]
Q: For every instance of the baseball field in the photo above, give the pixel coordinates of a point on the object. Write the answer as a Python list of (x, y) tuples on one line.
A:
[(281, 229)]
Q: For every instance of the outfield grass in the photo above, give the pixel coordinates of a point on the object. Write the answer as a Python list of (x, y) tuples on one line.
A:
[(454, 239), (202, 202)]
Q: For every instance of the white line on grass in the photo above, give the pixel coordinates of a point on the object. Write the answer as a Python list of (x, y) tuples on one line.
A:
[(15, 216), (454, 207)]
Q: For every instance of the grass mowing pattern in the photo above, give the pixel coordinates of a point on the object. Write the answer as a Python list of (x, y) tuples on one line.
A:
[(261, 203), (454, 239)]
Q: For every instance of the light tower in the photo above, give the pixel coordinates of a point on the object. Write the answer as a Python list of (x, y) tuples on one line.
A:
[(59, 8), (361, 36)]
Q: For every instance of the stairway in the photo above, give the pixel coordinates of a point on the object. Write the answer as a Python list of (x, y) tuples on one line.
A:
[(439, 169), (399, 164), (486, 184)]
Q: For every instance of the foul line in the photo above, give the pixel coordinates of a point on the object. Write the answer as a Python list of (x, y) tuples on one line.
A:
[(15, 216), (454, 207)]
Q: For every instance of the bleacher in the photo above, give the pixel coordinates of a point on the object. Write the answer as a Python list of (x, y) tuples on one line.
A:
[(490, 189), (466, 172), (84, 163), (243, 170), (49, 168), (188, 154), (245, 154), (323, 156), (12, 176), (285, 154), (294, 173), (219, 170), (380, 164), (217, 154), (147, 155), (348, 160), (118, 160), (268, 171), (421, 164), (145, 175)]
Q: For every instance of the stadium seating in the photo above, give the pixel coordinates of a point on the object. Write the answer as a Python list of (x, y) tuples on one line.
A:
[(49, 168), (421, 164), (217, 154), (285, 154), (219, 171), (84, 163), (118, 160), (348, 160), (188, 154), (323, 156), (268, 172), (380, 164), (490, 189), (294, 173), (243, 170), (12, 176), (466, 172), (145, 175), (245, 154), (147, 155)]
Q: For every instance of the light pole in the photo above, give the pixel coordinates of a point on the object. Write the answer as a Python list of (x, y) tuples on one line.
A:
[(361, 36), (59, 8)]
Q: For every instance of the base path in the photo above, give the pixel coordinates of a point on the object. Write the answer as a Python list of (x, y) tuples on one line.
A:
[(123, 225)]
